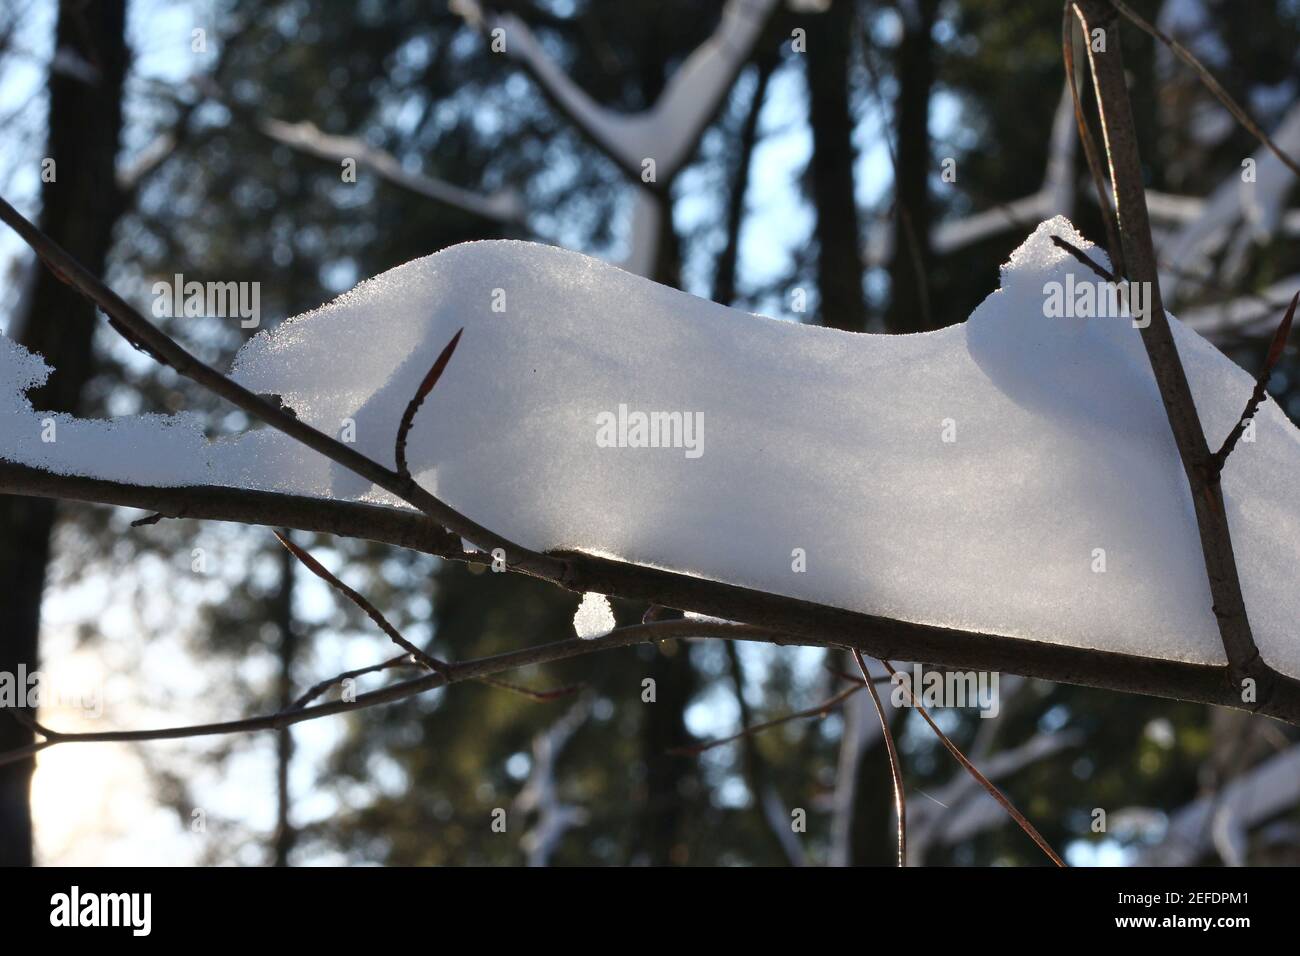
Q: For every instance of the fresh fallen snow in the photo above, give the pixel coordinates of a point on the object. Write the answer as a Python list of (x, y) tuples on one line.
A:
[(595, 618), (820, 449)]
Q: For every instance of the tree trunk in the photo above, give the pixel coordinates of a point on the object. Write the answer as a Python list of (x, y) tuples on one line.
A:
[(909, 305), (79, 208), (285, 834), (830, 170)]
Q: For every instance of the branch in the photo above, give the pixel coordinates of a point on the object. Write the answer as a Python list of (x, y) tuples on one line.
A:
[(421, 393), (503, 208), (671, 129), (1207, 78), (428, 661), (476, 669), (141, 333), (970, 768), (1108, 214), (802, 622), (895, 769), (1120, 134), (1220, 457), (820, 710)]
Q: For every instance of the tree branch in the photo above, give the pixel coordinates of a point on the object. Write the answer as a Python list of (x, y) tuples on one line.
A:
[(140, 332), (1120, 135), (802, 622), (476, 669)]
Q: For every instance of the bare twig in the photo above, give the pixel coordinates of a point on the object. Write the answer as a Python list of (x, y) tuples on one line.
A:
[(401, 660), (895, 768), (982, 780), (820, 710), (1207, 78), (413, 406), (1090, 151), (417, 655), (372, 612), (1086, 259), (1257, 396), (477, 669)]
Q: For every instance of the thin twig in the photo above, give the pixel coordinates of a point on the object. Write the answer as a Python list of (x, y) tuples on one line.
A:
[(982, 780), (895, 768), (1257, 396), (1083, 257), (413, 406), (477, 669), (1207, 78), (427, 660), (401, 660), (820, 710), (1090, 150), (372, 612)]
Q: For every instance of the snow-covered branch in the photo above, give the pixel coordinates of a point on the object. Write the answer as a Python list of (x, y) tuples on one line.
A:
[(1257, 796), (670, 130), (503, 207)]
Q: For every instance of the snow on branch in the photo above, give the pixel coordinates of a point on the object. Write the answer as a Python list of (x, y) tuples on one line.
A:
[(669, 131), (1257, 796), (570, 396), (1244, 209), (502, 207)]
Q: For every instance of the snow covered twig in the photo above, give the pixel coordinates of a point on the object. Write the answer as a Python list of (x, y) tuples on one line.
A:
[(142, 334)]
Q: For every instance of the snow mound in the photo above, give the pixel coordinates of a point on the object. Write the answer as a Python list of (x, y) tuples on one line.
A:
[(1014, 474)]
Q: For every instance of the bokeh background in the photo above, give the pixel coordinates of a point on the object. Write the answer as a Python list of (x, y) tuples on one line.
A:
[(885, 170)]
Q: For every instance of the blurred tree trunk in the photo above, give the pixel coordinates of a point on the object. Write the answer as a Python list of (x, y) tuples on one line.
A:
[(909, 305), (287, 634), (830, 170), (78, 210)]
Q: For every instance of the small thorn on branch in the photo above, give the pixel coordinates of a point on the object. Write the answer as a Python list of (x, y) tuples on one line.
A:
[(150, 519), (1275, 349), (426, 386)]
